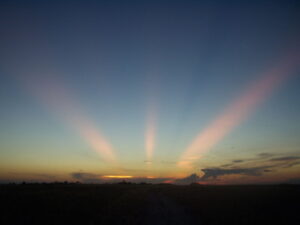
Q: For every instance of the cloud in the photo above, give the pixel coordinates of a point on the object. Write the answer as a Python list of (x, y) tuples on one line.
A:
[(288, 158), (291, 164), (257, 166), (227, 165), (149, 180), (237, 161), (265, 157), (287, 161), (258, 157), (193, 178), (87, 177), (98, 178), (216, 172)]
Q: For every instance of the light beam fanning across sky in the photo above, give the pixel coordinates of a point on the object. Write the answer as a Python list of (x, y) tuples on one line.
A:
[(56, 98), (150, 133), (238, 111)]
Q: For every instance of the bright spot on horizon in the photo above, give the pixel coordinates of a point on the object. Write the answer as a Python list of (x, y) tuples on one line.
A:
[(118, 176)]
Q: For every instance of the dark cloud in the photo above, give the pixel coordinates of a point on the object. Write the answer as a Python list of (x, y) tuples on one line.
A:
[(97, 178), (264, 163), (227, 165), (149, 180), (238, 161), (256, 166), (286, 162), (261, 156), (193, 178), (87, 177), (288, 158), (216, 172), (291, 164)]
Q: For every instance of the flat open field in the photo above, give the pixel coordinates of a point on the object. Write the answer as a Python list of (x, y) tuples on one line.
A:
[(148, 204)]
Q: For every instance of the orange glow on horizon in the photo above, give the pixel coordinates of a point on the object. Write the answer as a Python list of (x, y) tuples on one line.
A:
[(237, 112), (168, 182), (117, 176)]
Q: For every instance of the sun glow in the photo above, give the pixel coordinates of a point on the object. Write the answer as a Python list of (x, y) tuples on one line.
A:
[(118, 176)]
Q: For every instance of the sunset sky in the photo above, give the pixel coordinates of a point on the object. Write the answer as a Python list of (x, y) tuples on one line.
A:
[(155, 91)]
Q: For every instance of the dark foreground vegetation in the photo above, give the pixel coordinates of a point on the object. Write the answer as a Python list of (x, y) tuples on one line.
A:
[(57, 204)]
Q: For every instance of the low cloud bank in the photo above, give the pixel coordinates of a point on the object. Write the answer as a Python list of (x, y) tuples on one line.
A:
[(216, 172), (264, 163), (257, 166), (99, 178)]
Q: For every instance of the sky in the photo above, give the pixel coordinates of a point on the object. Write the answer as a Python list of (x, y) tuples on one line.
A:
[(154, 91)]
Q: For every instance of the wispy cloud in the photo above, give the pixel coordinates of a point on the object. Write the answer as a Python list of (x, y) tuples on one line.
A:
[(237, 161), (193, 178), (288, 158), (217, 172), (256, 166)]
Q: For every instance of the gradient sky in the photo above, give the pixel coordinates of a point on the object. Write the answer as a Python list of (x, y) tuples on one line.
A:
[(90, 89)]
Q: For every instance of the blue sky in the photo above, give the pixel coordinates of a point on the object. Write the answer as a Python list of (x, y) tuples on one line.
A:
[(185, 61)]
